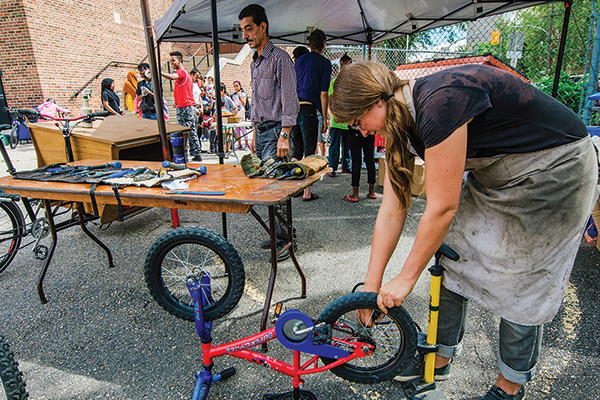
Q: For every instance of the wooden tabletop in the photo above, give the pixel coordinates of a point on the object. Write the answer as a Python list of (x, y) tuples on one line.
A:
[(241, 192), (117, 129)]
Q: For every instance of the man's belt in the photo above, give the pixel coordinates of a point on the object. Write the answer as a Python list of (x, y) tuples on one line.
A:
[(267, 125)]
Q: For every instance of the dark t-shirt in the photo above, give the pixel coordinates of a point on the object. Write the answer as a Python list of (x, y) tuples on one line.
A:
[(147, 103), (112, 99), (509, 115), (313, 73)]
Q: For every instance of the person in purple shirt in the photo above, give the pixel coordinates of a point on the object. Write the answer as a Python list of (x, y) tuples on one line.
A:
[(313, 74), (274, 100)]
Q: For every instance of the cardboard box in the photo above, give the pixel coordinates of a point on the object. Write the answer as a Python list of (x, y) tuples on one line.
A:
[(417, 167), (233, 120), (381, 171), (418, 184)]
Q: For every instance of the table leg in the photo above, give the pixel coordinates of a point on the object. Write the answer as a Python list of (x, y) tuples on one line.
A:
[(265, 314), (292, 250), (42, 275), (224, 224), (82, 223), (175, 218)]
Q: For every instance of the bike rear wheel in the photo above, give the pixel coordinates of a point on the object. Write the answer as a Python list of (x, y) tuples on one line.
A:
[(12, 229), (393, 335), (13, 387), (190, 251)]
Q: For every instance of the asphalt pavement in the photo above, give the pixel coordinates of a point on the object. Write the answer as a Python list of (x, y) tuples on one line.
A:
[(102, 336)]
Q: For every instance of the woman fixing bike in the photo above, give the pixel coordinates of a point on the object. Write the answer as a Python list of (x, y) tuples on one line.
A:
[(533, 173)]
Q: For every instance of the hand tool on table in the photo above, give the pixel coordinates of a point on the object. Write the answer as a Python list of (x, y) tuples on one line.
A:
[(179, 167), (202, 193)]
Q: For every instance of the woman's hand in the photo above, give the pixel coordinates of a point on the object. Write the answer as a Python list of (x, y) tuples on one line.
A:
[(393, 293), (368, 316)]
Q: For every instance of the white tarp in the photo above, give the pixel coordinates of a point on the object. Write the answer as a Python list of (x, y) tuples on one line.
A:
[(344, 21)]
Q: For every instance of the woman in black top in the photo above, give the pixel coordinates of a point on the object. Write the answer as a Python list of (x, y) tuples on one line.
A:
[(533, 172), (110, 100)]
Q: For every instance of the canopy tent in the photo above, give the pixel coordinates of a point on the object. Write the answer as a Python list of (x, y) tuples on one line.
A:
[(358, 22), (354, 22)]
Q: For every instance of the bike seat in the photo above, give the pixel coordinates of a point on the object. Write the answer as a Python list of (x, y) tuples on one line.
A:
[(447, 252), (4, 127)]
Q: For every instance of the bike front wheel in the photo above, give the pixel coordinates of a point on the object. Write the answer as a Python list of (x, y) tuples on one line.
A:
[(13, 138), (12, 229), (393, 336), (190, 251), (13, 387)]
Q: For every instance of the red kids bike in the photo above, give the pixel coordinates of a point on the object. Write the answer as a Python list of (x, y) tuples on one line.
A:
[(359, 352)]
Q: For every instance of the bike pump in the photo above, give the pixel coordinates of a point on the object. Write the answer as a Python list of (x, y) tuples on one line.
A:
[(424, 388)]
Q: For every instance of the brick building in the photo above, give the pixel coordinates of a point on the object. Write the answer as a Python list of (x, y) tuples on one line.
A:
[(51, 48)]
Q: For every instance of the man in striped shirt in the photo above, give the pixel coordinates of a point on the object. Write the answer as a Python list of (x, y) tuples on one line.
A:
[(274, 100), (275, 103)]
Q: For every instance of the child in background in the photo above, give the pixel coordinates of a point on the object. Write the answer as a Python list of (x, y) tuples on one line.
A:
[(209, 123), (49, 108), (210, 87)]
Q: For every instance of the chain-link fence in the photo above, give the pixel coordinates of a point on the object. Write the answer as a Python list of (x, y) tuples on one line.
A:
[(527, 41)]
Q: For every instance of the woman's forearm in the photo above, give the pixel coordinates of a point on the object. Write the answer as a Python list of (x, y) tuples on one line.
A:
[(108, 108), (431, 232), (388, 228)]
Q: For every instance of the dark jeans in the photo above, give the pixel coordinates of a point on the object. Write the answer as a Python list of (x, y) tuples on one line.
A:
[(212, 137), (339, 136), (365, 145), (265, 142), (266, 148), (304, 134), (149, 116), (520, 345)]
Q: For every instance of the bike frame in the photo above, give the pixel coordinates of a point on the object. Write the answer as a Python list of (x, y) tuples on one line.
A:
[(200, 291), (66, 132), (76, 219)]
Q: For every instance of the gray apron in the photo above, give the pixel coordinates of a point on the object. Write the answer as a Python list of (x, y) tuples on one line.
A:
[(518, 228)]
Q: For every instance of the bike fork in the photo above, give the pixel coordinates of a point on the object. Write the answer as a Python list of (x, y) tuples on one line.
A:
[(201, 296)]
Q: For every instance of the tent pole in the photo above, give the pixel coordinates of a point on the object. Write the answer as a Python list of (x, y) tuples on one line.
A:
[(561, 49), (157, 89), (217, 69)]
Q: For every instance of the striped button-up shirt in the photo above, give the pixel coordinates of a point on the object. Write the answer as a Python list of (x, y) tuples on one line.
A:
[(274, 96)]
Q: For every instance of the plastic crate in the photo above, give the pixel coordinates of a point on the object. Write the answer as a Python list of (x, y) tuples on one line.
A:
[(593, 130)]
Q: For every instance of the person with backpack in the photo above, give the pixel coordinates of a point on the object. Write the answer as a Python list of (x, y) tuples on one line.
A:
[(145, 95)]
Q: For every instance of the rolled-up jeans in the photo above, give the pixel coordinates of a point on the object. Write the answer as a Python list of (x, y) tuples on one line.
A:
[(186, 116), (519, 344)]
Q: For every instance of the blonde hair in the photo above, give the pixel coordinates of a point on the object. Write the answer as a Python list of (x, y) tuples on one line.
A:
[(358, 87)]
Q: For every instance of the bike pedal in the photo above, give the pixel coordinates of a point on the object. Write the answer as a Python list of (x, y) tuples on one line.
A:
[(41, 252), (277, 312)]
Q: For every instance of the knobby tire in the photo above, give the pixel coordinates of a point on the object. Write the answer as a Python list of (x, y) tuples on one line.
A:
[(10, 375), (394, 336), (12, 229), (182, 251)]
